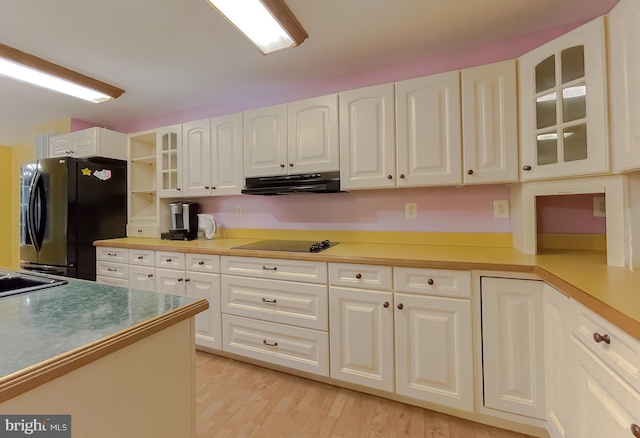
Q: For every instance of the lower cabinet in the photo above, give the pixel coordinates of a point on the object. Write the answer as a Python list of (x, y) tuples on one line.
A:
[(512, 346), (142, 277), (361, 334), (434, 353)]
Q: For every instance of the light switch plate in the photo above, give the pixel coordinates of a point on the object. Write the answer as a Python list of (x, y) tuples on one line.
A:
[(410, 210), (238, 210), (501, 209)]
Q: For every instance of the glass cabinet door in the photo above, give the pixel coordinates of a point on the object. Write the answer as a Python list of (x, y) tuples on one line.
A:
[(169, 161)]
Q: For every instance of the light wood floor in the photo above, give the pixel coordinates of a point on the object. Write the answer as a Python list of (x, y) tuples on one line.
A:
[(235, 399)]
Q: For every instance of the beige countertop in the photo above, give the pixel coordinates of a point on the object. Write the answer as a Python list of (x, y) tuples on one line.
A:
[(612, 292)]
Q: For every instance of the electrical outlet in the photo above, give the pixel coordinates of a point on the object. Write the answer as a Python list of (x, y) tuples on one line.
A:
[(599, 206), (410, 210), (238, 210), (501, 209)]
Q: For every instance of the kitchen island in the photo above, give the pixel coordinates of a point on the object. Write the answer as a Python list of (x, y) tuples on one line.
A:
[(119, 361)]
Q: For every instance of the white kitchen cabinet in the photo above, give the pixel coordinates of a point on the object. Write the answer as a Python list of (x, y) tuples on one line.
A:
[(561, 385), (512, 346), (624, 92), (265, 141), (429, 147), (142, 185), (434, 354), (169, 161), (89, 142), (196, 158), (367, 138), (490, 123), (208, 326), (313, 143), (361, 337), (170, 281), (142, 277), (563, 106)]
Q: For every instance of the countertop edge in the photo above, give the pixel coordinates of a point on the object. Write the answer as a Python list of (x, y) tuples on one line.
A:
[(31, 377)]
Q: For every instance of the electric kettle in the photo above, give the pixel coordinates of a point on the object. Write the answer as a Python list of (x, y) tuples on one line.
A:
[(208, 224)]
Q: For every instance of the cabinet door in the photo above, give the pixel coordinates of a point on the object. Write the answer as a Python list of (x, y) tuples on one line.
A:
[(490, 123), (60, 146), (512, 346), (170, 281), (624, 69), (227, 175), (208, 323), (361, 337), (561, 386), (429, 149), (312, 126), (169, 161), (265, 141), (196, 158), (563, 107), (367, 138), (84, 143), (434, 355), (142, 277)]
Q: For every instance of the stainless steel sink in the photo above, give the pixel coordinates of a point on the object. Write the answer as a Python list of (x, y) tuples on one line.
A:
[(12, 283)]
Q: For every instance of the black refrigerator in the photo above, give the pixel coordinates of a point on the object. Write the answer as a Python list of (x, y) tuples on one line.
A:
[(65, 205)]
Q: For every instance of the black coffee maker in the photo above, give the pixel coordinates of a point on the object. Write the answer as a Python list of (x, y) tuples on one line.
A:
[(184, 221)]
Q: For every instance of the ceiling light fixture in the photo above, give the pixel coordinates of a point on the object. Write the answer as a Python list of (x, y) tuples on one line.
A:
[(269, 24), (28, 68)]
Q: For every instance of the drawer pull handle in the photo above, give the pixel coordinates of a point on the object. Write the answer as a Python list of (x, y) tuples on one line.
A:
[(386, 304), (601, 338), (400, 306), (112, 254), (358, 276), (430, 282), (180, 280), (139, 231), (112, 270), (526, 167), (168, 260), (264, 300), (140, 257), (187, 280), (201, 262), (264, 341), (149, 275), (635, 430), (264, 268)]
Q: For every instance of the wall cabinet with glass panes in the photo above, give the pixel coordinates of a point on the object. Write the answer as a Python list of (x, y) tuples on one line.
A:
[(563, 106), (169, 161)]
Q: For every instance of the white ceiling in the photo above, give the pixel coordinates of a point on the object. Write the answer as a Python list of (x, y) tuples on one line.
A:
[(174, 56)]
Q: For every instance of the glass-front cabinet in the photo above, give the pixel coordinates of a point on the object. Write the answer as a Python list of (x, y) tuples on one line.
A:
[(169, 160), (563, 108)]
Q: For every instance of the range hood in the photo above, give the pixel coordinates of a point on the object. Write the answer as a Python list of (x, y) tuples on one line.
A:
[(324, 182)]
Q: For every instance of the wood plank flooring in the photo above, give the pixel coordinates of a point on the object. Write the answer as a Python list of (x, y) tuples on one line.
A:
[(235, 399)]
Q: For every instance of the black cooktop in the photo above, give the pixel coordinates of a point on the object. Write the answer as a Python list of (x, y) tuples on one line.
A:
[(288, 245)]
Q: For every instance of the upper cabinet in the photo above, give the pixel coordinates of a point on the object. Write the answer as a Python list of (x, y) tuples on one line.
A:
[(168, 146), (367, 138), (226, 154), (429, 148), (90, 142), (292, 138), (563, 106), (196, 158), (624, 70), (490, 123)]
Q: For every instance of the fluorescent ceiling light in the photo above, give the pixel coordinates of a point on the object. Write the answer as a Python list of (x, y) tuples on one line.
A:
[(269, 24), (28, 68)]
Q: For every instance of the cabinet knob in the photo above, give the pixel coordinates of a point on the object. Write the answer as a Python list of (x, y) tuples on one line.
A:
[(201, 262), (386, 304), (358, 276), (389, 177), (149, 275), (635, 430), (430, 282), (264, 341), (206, 187), (139, 231), (526, 167), (213, 188), (290, 164), (178, 189), (400, 306), (601, 338), (168, 260), (140, 257), (180, 280), (402, 176), (187, 280), (281, 164), (470, 172)]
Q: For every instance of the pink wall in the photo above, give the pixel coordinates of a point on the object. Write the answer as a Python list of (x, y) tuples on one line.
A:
[(442, 209), (79, 125), (568, 214)]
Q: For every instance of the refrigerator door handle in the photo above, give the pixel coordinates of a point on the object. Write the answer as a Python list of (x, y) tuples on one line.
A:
[(37, 200), (31, 213)]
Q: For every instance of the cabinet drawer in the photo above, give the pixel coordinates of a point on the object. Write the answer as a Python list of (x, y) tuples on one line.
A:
[(293, 347), (203, 263), (114, 270), (170, 259), (433, 282), (366, 276), (296, 270), (141, 257), (119, 255), (137, 230), (622, 354), (301, 304), (142, 277), (124, 282)]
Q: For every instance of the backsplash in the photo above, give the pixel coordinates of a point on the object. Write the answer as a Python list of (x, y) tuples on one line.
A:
[(568, 214), (440, 209)]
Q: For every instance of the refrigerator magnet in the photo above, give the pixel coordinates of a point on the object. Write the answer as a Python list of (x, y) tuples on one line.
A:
[(102, 174), (86, 171)]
